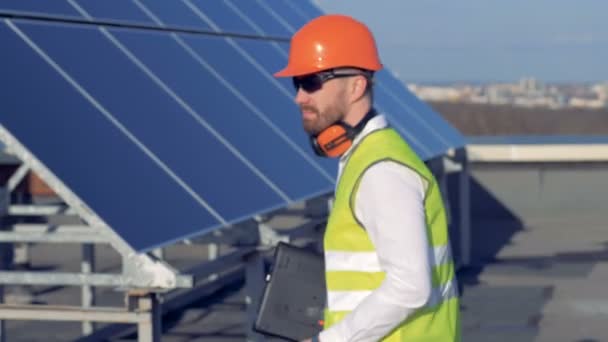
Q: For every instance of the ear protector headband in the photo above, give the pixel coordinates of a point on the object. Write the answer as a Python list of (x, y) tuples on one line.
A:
[(336, 139)]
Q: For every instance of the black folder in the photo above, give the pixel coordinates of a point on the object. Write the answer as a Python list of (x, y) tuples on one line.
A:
[(294, 297)]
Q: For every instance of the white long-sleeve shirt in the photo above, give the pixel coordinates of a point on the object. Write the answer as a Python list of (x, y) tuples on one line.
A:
[(390, 205)]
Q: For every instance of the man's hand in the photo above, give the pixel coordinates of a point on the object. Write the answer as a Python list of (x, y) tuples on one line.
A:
[(307, 340)]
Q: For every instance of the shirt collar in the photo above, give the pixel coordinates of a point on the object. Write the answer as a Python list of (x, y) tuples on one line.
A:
[(375, 123)]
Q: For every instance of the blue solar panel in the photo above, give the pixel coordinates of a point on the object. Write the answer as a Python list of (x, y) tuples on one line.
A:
[(222, 17), (158, 121), (92, 157), (115, 10), (194, 129), (175, 14), (270, 57), (38, 7), (285, 11), (306, 8), (269, 96), (257, 15), (249, 129)]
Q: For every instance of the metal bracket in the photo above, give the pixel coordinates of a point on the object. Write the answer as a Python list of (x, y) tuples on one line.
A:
[(269, 237), (144, 271), (17, 177), (4, 201)]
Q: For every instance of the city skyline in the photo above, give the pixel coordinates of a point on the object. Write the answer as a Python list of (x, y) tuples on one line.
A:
[(481, 41)]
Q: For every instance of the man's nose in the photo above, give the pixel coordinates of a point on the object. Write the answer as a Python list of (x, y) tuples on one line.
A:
[(301, 97)]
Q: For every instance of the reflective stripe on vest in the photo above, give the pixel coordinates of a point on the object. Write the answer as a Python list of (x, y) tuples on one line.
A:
[(366, 267), (348, 300), (368, 261)]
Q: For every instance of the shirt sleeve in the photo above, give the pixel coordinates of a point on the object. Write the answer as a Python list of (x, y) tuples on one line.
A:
[(390, 205)]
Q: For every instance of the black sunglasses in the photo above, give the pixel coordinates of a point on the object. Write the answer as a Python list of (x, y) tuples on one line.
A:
[(313, 82)]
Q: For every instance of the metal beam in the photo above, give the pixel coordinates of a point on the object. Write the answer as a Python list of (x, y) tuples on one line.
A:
[(464, 204), (17, 177), (514, 153), (70, 313), (173, 301), (55, 234), (87, 294), (79, 279), (39, 210)]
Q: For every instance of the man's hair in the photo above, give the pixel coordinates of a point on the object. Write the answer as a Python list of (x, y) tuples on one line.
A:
[(369, 76), (369, 88)]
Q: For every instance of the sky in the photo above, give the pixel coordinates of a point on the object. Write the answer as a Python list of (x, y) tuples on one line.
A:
[(433, 41)]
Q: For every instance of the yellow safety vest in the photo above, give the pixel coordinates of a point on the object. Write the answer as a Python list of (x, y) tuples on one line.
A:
[(352, 267)]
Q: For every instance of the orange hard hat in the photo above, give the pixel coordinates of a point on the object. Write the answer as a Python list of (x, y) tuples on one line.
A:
[(331, 41)]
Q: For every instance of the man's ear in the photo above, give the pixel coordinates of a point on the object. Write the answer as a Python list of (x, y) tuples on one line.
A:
[(358, 87)]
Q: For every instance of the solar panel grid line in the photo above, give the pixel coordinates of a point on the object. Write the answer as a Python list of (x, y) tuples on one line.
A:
[(248, 103), (128, 25), (297, 10), (80, 10), (244, 17), (50, 9), (305, 6), (123, 11), (276, 15), (258, 29), (202, 15), (149, 13), (197, 117), (116, 122), (141, 25)]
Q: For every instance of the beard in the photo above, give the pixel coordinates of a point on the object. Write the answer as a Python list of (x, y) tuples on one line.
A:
[(321, 120)]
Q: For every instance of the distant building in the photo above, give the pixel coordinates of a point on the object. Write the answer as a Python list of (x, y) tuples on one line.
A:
[(527, 92)]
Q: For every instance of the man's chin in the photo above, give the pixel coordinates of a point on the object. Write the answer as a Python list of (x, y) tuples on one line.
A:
[(309, 127)]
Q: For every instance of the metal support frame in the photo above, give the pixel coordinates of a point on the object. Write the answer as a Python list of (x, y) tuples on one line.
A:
[(145, 278), (5, 249), (464, 202), (149, 330), (254, 280), (456, 161), (437, 166), (140, 271), (2, 325), (144, 270), (87, 266), (45, 233)]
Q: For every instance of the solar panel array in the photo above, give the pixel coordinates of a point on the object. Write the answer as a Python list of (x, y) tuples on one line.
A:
[(163, 116)]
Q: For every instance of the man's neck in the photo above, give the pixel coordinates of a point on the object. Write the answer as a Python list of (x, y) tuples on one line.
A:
[(356, 114)]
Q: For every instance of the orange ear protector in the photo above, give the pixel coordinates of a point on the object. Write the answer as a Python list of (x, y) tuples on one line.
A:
[(336, 139)]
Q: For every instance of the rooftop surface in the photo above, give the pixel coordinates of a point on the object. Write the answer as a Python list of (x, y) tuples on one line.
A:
[(546, 284)]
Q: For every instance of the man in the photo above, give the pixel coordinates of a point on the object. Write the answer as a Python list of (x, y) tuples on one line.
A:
[(389, 272)]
